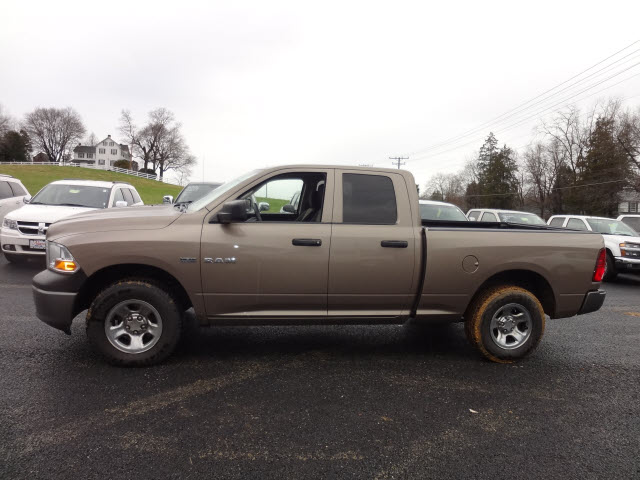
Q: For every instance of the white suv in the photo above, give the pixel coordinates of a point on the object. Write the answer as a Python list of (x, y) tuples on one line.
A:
[(508, 216), (620, 240), (24, 230), (13, 194)]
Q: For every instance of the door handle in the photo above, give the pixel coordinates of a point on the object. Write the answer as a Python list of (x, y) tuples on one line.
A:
[(394, 243), (306, 242)]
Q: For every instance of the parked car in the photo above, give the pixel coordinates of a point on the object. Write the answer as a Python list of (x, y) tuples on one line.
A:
[(192, 192), (433, 210), (507, 216), (292, 206), (24, 229), (356, 251), (13, 194), (620, 240), (632, 220)]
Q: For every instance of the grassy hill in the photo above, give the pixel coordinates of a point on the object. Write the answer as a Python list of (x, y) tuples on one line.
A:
[(34, 177)]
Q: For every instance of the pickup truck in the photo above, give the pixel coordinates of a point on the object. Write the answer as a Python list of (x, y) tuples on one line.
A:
[(355, 251)]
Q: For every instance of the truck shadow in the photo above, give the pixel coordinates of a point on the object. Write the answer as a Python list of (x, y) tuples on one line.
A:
[(401, 341)]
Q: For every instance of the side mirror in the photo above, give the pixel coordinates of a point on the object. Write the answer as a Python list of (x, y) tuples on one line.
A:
[(26, 198), (121, 203), (289, 208), (167, 199), (234, 211), (263, 206)]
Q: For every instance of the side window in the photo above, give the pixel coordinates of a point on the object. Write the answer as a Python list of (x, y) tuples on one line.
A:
[(17, 189), (368, 199), (291, 197), (576, 224), (136, 197), (117, 197), (127, 196), (489, 217), (473, 215), (5, 191), (557, 222)]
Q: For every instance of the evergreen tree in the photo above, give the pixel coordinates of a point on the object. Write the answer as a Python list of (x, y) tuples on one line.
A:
[(606, 167), (497, 170), (15, 147)]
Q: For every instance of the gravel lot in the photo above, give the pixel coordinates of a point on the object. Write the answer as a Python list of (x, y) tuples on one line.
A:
[(309, 402)]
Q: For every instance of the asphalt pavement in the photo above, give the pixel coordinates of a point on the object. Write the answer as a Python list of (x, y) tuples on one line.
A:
[(322, 402)]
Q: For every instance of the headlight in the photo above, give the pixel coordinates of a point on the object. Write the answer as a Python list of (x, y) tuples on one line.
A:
[(59, 259), (8, 223)]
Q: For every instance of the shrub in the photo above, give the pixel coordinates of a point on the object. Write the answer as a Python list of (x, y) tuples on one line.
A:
[(122, 164)]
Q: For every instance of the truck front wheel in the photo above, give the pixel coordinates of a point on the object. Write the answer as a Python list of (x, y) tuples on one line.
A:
[(134, 323), (505, 323)]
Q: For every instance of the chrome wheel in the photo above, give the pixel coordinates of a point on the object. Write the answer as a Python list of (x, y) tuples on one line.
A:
[(133, 326), (511, 326)]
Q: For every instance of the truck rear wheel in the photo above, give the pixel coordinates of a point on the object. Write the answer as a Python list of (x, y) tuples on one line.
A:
[(134, 323), (505, 323)]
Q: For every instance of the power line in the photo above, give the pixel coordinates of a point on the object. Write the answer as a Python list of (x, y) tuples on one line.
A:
[(553, 189), (519, 109), (398, 161), (521, 121)]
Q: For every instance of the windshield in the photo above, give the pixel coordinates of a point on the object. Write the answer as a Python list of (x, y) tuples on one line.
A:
[(195, 191), (441, 212), (611, 227), (72, 196), (521, 218), (222, 189)]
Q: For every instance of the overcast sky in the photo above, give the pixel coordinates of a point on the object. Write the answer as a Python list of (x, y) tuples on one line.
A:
[(265, 83)]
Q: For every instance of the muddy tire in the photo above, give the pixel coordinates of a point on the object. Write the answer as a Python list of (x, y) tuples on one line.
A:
[(610, 272), (505, 323), (134, 323)]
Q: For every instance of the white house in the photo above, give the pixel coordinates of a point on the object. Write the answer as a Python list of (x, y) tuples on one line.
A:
[(103, 154)]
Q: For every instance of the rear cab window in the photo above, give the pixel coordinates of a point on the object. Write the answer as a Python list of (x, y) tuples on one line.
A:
[(557, 222), (473, 214), (576, 224), (489, 217), (368, 199)]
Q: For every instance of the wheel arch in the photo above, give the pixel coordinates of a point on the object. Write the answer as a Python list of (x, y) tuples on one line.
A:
[(530, 280), (111, 274)]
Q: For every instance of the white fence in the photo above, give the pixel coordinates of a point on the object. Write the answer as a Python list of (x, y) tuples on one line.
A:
[(94, 167)]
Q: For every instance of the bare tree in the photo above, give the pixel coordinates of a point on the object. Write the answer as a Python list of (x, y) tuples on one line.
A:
[(145, 140), (6, 122), (54, 130), (172, 153), (91, 140), (541, 164)]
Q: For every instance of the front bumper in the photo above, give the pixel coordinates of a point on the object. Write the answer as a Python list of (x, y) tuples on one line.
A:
[(17, 243), (592, 301), (55, 296), (626, 263)]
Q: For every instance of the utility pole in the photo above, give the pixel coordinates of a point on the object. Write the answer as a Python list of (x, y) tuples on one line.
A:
[(398, 161)]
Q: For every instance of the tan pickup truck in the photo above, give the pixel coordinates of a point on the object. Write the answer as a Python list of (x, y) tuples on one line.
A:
[(350, 249)]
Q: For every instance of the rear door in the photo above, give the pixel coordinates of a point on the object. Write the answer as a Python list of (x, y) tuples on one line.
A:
[(275, 264), (373, 249)]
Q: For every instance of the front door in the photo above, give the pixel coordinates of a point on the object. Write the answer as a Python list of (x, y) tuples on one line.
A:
[(275, 264), (372, 270)]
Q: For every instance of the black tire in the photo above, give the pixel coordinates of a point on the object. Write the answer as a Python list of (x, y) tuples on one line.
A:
[(15, 258), (611, 272), (135, 290), (486, 305)]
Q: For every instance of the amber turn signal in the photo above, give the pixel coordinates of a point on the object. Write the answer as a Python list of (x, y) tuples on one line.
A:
[(65, 265)]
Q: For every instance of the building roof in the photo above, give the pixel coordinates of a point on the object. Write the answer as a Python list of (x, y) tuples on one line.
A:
[(84, 149)]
